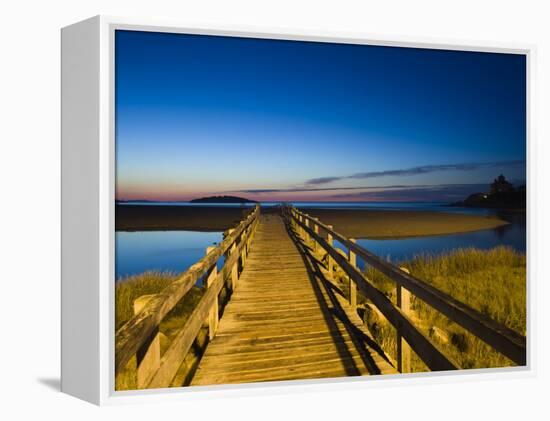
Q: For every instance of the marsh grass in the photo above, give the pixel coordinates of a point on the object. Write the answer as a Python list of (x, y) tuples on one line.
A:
[(127, 291), (490, 281)]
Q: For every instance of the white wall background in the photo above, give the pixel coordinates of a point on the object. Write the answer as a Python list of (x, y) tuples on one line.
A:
[(30, 222)]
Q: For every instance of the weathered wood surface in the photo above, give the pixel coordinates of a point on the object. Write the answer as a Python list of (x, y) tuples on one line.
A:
[(284, 322)]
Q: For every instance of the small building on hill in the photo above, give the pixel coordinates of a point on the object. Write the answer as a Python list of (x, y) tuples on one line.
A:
[(501, 185)]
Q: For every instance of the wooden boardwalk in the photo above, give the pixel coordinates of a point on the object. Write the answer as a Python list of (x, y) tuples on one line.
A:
[(289, 284), (285, 321)]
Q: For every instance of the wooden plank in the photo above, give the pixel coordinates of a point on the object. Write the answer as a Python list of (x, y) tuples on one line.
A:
[(268, 328), (287, 343), (272, 315), (281, 360), (274, 307), (286, 337), (335, 366)]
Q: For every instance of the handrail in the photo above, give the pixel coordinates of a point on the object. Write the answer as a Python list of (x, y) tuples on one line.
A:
[(136, 331), (503, 339), (427, 350)]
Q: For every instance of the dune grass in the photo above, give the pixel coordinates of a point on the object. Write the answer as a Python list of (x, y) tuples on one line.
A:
[(127, 291), (152, 282), (490, 281)]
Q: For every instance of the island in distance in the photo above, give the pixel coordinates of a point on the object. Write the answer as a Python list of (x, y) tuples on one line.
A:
[(222, 199)]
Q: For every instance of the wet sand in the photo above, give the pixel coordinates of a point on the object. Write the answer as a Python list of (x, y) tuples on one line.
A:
[(165, 218), (355, 223)]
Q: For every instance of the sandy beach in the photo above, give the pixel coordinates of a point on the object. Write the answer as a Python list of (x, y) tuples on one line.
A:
[(349, 222)]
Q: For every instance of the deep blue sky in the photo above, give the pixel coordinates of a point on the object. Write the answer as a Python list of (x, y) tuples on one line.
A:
[(287, 120)]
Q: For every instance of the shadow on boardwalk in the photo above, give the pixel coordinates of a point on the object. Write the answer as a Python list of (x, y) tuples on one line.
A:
[(285, 320), (334, 310)]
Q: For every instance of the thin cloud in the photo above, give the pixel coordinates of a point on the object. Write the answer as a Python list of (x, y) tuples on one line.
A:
[(324, 180), (425, 169), (319, 189), (443, 192)]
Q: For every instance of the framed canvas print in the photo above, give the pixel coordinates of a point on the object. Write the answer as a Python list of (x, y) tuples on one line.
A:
[(269, 209)]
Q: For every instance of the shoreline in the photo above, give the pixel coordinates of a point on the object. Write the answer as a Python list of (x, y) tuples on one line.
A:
[(352, 223)]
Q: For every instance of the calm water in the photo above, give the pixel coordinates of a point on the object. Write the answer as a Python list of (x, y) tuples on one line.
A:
[(512, 235), (137, 252), (396, 250), (428, 206), (176, 251), (420, 206)]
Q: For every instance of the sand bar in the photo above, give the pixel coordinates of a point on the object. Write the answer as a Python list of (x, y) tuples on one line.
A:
[(367, 223), (357, 223), (166, 218)]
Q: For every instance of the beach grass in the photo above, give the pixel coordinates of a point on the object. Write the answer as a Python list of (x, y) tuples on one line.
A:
[(490, 281), (127, 291)]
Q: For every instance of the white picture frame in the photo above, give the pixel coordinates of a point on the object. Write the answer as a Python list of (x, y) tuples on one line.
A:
[(88, 198)]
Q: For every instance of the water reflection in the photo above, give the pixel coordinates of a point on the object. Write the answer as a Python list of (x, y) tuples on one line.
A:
[(511, 235), (176, 251)]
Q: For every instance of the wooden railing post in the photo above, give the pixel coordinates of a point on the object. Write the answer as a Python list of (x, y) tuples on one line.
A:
[(235, 268), (403, 348), (148, 356), (316, 231), (306, 235), (352, 287), (245, 240), (213, 314), (249, 238), (330, 242), (243, 250)]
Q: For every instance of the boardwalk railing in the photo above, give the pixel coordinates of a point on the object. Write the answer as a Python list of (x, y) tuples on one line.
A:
[(139, 335), (504, 340)]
